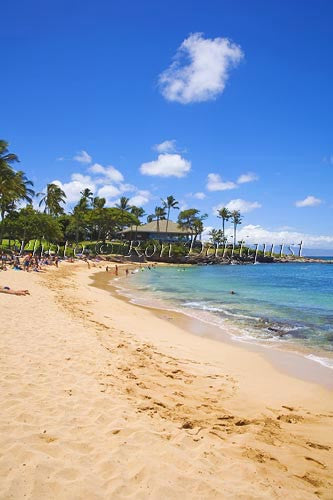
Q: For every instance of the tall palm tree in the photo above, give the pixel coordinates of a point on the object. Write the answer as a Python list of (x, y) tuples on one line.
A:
[(236, 219), (225, 215), (124, 206), (86, 199), (14, 185), (52, 200), (168, 204), (137, 212), (160, 214)]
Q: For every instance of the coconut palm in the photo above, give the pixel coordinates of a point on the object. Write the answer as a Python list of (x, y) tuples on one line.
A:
[(160, 214), (225, 215), (14, 185), (236, 219), (52, 199), (137, 212), (168, 204), (124, 206), (98, 202)]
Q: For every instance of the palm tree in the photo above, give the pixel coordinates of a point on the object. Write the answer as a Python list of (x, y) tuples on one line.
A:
[(225, 215), (14, 185), (236, 219), (124, 206), (169, 203), (52, 199), (87, 197), (99, 202), (160, 214), (137, 212)]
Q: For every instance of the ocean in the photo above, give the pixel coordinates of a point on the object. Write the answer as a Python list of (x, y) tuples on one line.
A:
[(284, 305)]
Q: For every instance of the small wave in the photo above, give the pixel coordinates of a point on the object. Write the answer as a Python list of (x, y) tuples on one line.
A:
[(327, 362), (205, 307)]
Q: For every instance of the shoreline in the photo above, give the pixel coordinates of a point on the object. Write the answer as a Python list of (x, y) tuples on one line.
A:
[(287, 360), (99, 396)]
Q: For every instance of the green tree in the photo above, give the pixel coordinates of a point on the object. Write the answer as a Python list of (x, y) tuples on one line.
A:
[(159, 214), (138, 212), (29, 224), (168, 204), (52, 199), (224, 214), (124, 206), (192, 220), (236, 219), (216, 236)]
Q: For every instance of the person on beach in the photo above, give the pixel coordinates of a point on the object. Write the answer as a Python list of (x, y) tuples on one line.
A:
[(7, 290), (116, 270), (107, 269), (126, 272), (27, 262)]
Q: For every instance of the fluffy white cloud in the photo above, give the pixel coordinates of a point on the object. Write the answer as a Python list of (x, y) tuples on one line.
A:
[(215, 183), (77, 184), (249, 177), (253, 234), (258, 234), (110, 172), (167, 165), (309, 201), (199, 195), (200, 69), (108, 191), (238, 204), (82, 157), (166, 147), (140, 198)]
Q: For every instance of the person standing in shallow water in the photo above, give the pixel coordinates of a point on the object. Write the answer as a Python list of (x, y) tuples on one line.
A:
[(126, 272), (116, 270)]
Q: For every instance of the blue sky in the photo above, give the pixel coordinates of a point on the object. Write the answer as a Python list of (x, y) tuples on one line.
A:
[(200, 94)]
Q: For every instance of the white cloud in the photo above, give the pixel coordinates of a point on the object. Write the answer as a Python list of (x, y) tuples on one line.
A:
[(141, 198), (110, 172), (200, 69), (309, 201), (249, 177), (108, 191), (252, 234), (238, 204), (166, 147), (77, 184), (199, 195), (167, 165), (215, 183), (82, 157), (258, 234)]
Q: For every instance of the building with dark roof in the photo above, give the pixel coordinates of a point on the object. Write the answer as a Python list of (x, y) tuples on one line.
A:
[(158, 230)]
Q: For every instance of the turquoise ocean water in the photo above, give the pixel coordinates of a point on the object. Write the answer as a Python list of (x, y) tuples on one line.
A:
[(275, 304)]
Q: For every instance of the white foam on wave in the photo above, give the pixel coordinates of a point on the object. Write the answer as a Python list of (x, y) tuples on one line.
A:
[(327, 362), (205, 307)]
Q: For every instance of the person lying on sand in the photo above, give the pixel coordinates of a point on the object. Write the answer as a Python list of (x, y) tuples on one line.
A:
[(6, 289)]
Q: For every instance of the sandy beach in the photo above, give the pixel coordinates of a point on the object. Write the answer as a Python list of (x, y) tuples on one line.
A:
[(104, 399)]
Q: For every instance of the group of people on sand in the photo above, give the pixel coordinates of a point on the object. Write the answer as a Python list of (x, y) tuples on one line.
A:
[(27, 263)]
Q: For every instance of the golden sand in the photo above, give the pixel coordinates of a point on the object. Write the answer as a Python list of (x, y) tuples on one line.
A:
[(103, 399)]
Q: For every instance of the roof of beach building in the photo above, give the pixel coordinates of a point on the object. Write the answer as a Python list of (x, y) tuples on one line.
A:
[(151, 227)]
